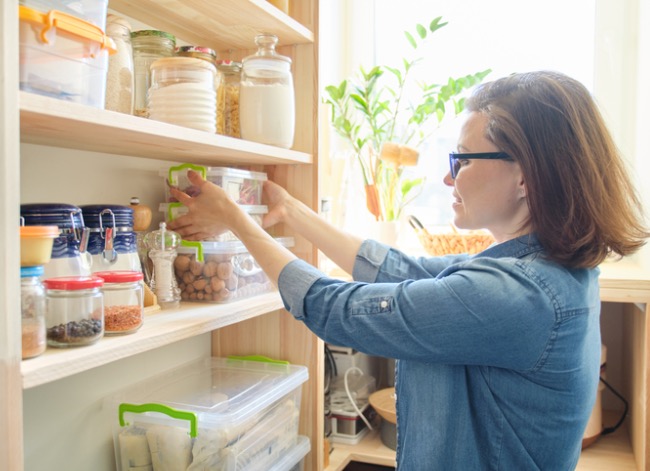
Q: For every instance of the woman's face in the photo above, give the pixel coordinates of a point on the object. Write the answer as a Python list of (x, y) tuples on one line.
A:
[(488, 194)]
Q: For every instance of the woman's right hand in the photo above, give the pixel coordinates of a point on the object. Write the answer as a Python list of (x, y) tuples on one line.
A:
[(276, 199)]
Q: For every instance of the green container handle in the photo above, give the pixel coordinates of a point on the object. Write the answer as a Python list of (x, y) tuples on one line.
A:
[(196, 245), (177, 168), (160, 408)]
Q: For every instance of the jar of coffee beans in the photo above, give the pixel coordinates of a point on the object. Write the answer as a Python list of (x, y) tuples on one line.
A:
[(123, 301), (75, 310)]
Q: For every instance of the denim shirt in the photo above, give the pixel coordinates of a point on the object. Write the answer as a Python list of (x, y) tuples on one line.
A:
[(498, 353)]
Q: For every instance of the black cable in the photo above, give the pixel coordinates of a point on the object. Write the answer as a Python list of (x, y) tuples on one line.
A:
[(609, 430)]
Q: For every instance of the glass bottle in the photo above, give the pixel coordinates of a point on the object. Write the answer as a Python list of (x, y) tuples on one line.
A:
[(148, 46), (228, 98), (32, 303), (266, 97), (119, 79), (162, 246)]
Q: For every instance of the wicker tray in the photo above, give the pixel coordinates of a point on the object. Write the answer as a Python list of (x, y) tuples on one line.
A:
[(437, 244)]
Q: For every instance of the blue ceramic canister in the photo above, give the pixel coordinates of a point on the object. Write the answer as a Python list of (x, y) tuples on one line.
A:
[(69, 256), (112, 242)]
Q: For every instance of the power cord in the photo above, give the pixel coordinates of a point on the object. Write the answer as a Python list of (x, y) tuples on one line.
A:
[(349, 394), (609, 430)]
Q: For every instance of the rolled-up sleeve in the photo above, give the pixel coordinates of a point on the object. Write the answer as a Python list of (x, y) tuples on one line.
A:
[(294, 282)]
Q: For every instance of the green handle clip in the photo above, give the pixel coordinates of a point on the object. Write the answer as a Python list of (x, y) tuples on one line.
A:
[(160, 408), (173, 171)]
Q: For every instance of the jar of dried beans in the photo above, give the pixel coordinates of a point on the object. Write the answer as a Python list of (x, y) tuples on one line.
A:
[(32, 303), (74, 310), (123, 301)]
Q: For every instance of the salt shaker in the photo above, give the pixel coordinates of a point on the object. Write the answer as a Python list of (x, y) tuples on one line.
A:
[(162, 246)]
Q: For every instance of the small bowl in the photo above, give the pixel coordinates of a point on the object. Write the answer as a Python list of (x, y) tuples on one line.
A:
[(36, 244)]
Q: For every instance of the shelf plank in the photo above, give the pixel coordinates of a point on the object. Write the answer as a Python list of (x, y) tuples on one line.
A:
[(52, 122), (159, 329), (624, 282), (220, 24)]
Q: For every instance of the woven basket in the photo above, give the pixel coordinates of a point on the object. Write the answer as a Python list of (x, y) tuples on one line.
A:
[(450, 243)]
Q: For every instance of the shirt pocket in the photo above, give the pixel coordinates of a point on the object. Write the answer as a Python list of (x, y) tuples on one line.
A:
[(374, 305)]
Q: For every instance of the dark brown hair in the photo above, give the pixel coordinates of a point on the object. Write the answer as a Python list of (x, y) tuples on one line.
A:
[(582, 203)]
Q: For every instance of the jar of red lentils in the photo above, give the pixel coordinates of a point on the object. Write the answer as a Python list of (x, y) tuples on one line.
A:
[(123, 301)]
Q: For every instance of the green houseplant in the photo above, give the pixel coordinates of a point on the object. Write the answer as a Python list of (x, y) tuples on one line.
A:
[(373, 115)]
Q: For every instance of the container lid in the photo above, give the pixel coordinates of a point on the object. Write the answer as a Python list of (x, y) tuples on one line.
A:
[(176, 209), (228, 247), (67, 23), (74, 283), (111, 215), (119, 276), (65, 216), (172, 172), (39, 232), (266, 43), (183, 62), (198, 52), (228, 66), (26, 272), (153, 33), (220, 392)]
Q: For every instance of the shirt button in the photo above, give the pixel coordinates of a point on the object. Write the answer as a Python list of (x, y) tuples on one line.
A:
[(383, 304)]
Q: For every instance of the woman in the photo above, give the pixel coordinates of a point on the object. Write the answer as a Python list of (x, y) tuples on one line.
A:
[(498, 353)]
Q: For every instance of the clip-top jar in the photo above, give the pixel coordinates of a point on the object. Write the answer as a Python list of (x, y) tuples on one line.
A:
[(266, 97), (123, 301), (75, 310), (32, 303), (148, 46)]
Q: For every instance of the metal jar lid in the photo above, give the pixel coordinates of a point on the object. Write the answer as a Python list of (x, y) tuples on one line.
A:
[(198, 52), (153, 33)]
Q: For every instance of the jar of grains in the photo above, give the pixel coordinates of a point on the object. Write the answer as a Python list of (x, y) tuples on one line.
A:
[(228, 97), (183, 93), (119, 79), (123, 301), (32, 303), (148, 46), (74, 310), (266, 96)]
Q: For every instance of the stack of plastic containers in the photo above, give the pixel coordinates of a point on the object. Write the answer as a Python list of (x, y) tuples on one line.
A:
[(218, 269), (64, 49), (216, 413)]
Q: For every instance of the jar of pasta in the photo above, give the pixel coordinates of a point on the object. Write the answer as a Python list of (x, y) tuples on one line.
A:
[(228, 98), (123, 301)]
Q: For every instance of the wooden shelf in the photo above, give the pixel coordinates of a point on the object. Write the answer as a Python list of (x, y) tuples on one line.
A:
[(222, 25), (52, 122), (610, 452), (159, 329), (624, 282)]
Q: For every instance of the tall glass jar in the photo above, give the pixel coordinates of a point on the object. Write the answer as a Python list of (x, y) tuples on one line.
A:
[(75, 310), (32, 303), (119, 79), (148, 46), (228, 98), (183, 93), (266, 97)]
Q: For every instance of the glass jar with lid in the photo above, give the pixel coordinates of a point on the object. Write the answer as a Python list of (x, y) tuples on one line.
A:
[(74, 310), (32, 304), (228, 97), (123, 301), (119, 78), (198, 52), (266, 97), (148, 46), (183, 93)]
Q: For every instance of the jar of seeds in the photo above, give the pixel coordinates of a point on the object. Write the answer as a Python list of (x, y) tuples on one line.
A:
[(123, 301), (74, 310)]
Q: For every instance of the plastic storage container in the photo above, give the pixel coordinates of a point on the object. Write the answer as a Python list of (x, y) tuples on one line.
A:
[(266, 97), (36, 244), (215, 413), (220, 271), (63, 57), (123, 301), (75, 310), (183, 92), (32, 303), (244, 186), (173, 210), (93, 11), (69, 255), (112, 242), (148, 46)]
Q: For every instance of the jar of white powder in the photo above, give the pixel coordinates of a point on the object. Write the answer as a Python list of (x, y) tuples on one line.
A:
[(266, 96), (119, 80)]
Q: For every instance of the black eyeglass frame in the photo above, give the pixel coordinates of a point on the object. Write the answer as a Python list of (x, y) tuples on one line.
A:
[(454, 157)]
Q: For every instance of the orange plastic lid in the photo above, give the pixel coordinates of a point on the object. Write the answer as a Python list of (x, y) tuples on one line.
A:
[(39, 231)]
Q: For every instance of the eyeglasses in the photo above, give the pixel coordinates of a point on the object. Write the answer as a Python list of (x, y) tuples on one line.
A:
[(456, 157)]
